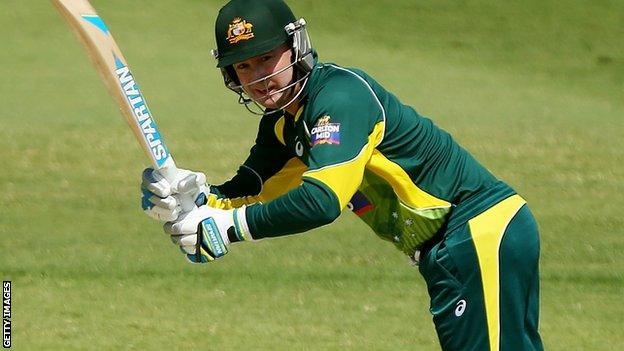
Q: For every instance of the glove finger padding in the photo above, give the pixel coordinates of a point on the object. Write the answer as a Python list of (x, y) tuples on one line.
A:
[(186, 225), (155, 183), (190, 183), (163, 215), (162, 209), (210, 247), (187, 243), (188, 246), (168, 203), (186, 182), (162, 200)]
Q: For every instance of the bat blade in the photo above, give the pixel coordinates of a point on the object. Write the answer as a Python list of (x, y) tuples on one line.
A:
[(112, 66)]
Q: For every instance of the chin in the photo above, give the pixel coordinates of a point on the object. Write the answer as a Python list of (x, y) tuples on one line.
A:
[(272, 102), (268, 104)]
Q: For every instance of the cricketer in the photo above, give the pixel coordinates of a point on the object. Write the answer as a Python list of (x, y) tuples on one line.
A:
[(331, 138)]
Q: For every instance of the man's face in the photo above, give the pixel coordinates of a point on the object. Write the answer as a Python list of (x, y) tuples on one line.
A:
[(258, 67)]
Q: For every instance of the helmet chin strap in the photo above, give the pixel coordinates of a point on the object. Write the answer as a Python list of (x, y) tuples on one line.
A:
[(246, 99)]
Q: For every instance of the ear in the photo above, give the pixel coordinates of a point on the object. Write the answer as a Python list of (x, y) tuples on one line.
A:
[(229, 75)]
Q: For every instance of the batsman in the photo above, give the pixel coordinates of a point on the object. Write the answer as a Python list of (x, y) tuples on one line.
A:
[(331, 138)]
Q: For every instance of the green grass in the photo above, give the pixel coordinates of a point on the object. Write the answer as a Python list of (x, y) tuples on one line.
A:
[(534, 89)]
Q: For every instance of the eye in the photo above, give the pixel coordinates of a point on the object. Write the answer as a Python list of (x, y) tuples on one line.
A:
[(266, 58), (241, 66)]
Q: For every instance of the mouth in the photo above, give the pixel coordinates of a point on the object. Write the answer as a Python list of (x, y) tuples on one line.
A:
[(265, 93), (262, 92)]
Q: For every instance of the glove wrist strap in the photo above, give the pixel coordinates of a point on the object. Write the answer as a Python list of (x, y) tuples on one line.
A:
[(240, 230)]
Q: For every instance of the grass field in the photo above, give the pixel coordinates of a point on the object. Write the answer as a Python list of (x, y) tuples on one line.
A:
[(534, 89)]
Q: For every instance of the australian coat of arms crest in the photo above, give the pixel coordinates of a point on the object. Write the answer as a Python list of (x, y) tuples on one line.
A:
[(239, 30)]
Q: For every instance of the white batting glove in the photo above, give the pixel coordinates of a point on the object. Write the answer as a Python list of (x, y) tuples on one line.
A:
[(159, 197), (204, 233)]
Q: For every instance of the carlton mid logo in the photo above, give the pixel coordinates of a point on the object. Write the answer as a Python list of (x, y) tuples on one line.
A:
[(325, 132), (239, 30)]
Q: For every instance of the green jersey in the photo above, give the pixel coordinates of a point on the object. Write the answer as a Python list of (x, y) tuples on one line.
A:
[(354, 145)]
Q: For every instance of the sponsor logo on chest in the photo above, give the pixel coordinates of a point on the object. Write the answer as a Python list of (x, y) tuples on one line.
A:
[(325, 132)]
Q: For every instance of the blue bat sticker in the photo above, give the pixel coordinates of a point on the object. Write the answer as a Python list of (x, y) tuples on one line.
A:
[(141, 113), (96, 21)]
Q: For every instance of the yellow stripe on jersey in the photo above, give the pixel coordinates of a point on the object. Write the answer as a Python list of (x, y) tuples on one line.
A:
[(403, 186), (487, 231), (299, 112), (289, 177), (279, 130), (228, 204), (344, 178)]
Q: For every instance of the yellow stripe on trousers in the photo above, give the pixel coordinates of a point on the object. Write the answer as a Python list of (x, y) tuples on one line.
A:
[(487, 231)]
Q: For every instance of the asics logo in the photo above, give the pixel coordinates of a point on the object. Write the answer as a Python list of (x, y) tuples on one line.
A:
[(460, 308), (299, 148)]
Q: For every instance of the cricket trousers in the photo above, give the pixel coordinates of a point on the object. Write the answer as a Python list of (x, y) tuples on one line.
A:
[(483, 281)]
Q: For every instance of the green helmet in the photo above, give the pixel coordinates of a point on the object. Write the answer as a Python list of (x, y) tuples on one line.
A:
[(248, 28)]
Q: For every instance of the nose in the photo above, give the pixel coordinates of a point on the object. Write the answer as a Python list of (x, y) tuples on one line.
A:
[(258, 71)]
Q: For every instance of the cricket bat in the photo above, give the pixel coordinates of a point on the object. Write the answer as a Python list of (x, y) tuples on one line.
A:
[(121, 84)]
